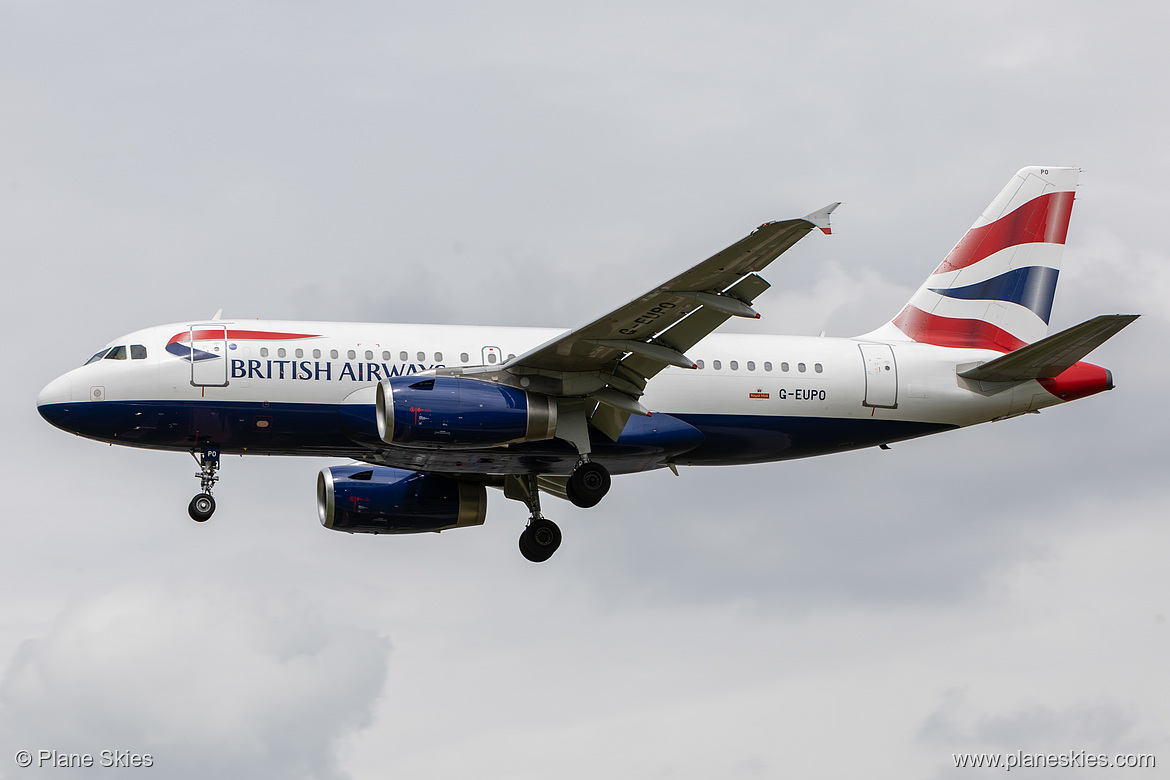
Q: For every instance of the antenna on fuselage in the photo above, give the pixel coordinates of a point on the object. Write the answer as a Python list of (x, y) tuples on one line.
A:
[(217, 316)]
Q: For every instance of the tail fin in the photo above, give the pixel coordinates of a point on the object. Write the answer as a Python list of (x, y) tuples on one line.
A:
[(995, 288)]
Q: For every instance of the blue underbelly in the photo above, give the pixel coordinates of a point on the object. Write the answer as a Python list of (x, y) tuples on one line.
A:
[(350, 431), (735, 439)]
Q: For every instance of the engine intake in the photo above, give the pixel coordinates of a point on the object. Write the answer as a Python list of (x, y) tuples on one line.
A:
[(384, 500), (456, 411)]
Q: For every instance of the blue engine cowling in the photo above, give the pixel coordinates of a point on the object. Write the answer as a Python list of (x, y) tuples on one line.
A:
[(384, 500), (459, 412)]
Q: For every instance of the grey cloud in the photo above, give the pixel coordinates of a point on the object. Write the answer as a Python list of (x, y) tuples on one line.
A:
[(205, 682), (524, 164), (958, 725)]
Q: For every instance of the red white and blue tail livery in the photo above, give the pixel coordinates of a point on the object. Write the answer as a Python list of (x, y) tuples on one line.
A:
[(432, 415), (995, 288)]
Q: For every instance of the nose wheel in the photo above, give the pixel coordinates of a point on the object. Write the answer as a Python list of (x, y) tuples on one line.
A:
[(202, 506)]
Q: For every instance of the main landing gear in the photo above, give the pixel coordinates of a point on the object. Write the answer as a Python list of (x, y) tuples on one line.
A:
[(586, 486), (203, 505), (541, 537)]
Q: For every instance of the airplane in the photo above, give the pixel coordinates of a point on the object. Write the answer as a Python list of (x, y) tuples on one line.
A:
[(432, 415)]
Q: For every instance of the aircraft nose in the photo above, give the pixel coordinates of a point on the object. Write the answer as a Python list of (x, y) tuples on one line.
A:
[(59, 391)]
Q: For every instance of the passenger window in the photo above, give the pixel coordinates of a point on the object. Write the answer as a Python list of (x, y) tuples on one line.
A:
[(511, 356), (97, 356), (734, 365), (818, 368), (715, 364), (784, 366), (316, 354), (280, 352), (299, 353), (767, 365), (700, 364), (463, 357), (117, 353), (137, 352), (263, 351), (385, 355), (800, 367), (491, 357), (438, 357), (351, 354), (369, 354), (333, 354), (751, 366), (422, 356), (403, 356)]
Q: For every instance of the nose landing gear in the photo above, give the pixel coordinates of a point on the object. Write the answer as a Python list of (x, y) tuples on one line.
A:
[(203, 505)]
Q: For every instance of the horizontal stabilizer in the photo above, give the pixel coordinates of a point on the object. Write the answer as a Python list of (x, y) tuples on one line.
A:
[(1052, 355)]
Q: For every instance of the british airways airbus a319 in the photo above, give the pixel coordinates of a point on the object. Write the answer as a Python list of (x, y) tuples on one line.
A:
[(435, 414)]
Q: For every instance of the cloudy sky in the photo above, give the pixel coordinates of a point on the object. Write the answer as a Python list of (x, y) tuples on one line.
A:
[(997, 589)]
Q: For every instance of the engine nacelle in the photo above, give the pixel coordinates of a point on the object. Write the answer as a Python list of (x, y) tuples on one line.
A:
[(384, 500), (448, 411)]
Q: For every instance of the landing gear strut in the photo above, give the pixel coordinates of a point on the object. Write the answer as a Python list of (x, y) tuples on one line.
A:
[(588, 484), (542, 537), (203, 505)]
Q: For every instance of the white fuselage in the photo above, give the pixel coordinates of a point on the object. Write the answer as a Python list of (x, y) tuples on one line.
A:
[(754, 380)]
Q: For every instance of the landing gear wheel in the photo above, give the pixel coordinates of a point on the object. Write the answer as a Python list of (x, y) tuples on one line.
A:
[(540, 540), (201, 507), (588, 484)]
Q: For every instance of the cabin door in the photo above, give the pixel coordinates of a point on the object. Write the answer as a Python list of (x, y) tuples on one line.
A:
[(209, 360), (881, 376)]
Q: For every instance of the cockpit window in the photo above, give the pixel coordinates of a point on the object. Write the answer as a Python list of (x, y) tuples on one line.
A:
[(98, 356), (117, 353), (137, 352)]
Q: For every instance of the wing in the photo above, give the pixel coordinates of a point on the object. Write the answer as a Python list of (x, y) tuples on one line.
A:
[(610, 360)]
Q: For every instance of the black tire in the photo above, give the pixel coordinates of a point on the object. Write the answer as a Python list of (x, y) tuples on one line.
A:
[(201, 508), (540, 540), (588, 484)]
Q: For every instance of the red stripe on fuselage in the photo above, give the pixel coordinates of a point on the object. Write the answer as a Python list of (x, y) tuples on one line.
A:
[(1043, 219), (240, 335), (954, 332)]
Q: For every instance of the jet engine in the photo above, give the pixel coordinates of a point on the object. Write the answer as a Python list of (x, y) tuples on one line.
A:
[(460, 412), (384, 500)]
